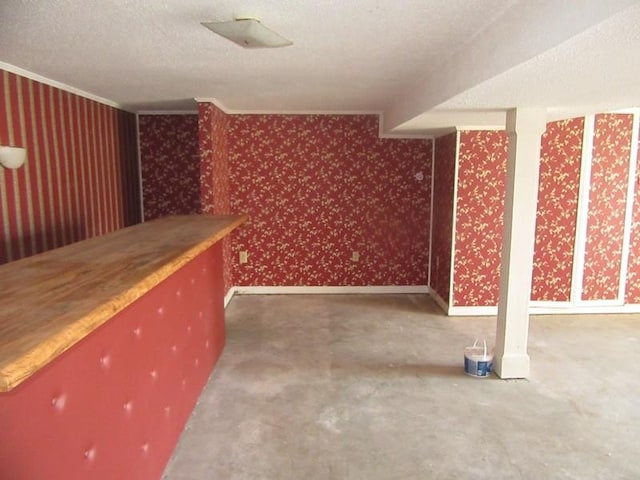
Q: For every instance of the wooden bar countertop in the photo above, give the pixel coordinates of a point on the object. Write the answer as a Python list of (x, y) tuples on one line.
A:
[(50, 301)]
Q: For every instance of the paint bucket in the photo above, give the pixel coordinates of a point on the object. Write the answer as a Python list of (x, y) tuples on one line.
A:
[(477, 361)]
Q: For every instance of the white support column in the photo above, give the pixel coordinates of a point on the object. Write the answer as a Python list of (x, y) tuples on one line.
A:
[(524, 127)]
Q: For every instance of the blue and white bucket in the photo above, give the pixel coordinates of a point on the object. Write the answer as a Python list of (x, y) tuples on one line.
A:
[(477, 361)]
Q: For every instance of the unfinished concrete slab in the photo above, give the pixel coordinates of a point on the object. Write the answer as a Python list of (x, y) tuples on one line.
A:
[(373, 387)]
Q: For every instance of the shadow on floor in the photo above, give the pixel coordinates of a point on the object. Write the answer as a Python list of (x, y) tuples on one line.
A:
[(399, 371)]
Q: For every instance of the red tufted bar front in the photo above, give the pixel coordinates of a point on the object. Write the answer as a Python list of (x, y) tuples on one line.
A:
[(114, 404)]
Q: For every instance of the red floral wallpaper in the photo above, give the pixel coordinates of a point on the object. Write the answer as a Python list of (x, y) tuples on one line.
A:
[(443, 190), (560, 160), (482, 171), (214, 153), (169, 164), (81, 175), (607, 205), (318, 188), (213, 126), (632, 294)]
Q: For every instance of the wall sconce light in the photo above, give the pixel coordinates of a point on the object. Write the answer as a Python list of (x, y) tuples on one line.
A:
[(12, 157)]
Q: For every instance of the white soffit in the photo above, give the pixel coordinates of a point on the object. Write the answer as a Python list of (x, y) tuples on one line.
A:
[(434, 120), (595, 71), (518, 38)]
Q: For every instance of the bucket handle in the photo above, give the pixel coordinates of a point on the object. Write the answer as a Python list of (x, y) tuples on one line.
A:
[(484, 344)]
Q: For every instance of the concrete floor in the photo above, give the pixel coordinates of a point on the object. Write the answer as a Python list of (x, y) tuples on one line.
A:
[(372, 387)]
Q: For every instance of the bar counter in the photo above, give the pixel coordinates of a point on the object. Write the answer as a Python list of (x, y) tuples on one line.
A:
[(52, 300), (105, 346)]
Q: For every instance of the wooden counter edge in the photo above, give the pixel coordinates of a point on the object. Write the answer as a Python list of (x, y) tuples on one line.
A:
[(14, 373)]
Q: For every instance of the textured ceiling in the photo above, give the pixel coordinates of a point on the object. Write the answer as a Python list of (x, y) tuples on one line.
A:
[(409, 59), (594, 71)]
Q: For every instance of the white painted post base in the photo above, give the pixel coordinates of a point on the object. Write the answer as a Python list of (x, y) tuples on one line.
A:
[(524, 127), (512, 366)]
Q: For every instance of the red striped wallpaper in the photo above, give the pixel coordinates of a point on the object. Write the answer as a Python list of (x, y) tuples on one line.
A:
[(81, 176)]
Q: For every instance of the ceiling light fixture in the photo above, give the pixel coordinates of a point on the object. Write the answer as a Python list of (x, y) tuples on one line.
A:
[(248, 33)]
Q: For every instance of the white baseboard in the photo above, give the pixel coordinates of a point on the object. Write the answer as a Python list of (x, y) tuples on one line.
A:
[(471, 311), (561, 309), (585, 309), (332, 290), (328, 290), (229, 296), (439, 300)]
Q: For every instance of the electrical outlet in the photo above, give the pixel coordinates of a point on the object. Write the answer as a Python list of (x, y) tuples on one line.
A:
[(244, 256), (355, 256)]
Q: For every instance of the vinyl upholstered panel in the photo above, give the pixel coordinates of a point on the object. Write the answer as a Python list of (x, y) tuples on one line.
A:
[(114, 405)]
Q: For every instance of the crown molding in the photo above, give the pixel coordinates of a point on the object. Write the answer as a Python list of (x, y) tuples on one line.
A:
[(62, 86)]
